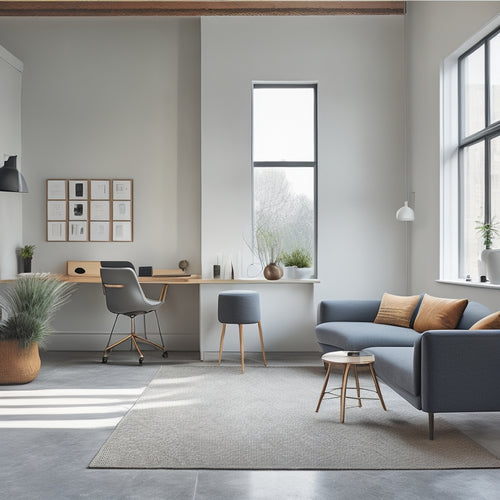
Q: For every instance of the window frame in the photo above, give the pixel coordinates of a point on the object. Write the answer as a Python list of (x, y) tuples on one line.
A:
[(486, 134), (293, 164)]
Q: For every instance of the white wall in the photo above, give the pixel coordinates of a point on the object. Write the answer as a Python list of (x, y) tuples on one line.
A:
[(435, 30), (357, 62), (114, 98), (11, 69)]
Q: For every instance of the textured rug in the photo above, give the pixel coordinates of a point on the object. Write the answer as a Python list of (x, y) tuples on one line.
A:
[(209, 417)]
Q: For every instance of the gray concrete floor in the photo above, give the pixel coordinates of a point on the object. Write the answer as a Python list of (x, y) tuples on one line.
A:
[(46, 444)]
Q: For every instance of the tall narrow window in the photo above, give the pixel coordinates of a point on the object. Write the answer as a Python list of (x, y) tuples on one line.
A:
[(479, 161), (284, 154)]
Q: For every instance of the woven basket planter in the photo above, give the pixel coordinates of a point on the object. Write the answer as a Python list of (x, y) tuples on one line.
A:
[(18, 365)]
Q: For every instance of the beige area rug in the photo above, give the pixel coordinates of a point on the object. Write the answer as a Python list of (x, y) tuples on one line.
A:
[(208, 417)]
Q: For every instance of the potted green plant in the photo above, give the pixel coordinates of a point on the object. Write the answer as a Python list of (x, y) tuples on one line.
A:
[(27, 255), (489, 262), (30, 303), (298, 263)]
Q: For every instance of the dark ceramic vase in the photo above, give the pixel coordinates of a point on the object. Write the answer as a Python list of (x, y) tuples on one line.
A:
[(27, 265), (273, 272)]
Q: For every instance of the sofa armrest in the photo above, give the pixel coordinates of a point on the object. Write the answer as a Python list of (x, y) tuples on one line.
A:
[(347, 310), (460, 370)]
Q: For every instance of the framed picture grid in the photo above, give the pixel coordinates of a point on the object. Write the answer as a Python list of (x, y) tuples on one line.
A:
[(89, 210)]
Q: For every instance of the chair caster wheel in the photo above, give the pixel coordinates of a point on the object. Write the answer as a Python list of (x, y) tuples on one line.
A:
[(165, 354), (141, 360), (104, 359)]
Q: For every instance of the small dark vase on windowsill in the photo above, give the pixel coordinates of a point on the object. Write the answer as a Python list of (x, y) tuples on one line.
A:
[(27, 265)]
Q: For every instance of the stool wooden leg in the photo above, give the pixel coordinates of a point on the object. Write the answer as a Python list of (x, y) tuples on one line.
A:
[(222, 341), (242, 350), (262, 343), (377, 387), (343, 392), (325, 383), (357, 385)]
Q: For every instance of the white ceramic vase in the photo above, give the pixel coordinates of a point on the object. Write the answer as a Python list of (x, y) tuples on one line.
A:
[(492, 259), (303, 272)]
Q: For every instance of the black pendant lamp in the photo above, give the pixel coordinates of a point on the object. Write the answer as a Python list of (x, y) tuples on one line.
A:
[(10, 178)]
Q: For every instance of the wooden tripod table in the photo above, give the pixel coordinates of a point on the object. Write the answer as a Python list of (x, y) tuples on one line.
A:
[(342, 358)]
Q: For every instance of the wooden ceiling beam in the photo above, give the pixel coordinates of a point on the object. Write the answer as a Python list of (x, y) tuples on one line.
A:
[(198, 8)]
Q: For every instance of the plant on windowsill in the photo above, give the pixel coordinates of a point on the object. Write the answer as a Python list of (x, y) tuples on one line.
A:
[(27, 255), (30, 304), (268, 246), (489, 263), (298, 263)]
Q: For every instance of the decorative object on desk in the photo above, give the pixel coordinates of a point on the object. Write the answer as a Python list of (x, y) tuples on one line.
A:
[(298, 263), (183, 264), (216, 271), (268, 245), (489, 262), (273, 272), (30, 304), (27, 256), (145, 270), (10, 178)]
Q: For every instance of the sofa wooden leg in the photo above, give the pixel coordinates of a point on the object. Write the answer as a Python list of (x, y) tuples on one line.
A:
[(431, 425)]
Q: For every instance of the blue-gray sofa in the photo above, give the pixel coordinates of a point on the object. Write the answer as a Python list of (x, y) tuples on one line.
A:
[(437, 371)]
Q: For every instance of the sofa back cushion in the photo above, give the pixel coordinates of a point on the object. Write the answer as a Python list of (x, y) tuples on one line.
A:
[(472, 314), (397, 310), (436, 313), (490, 322)]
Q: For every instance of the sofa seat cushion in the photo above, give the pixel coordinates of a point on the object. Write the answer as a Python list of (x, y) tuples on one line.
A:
[(353, 335), (394, 365)]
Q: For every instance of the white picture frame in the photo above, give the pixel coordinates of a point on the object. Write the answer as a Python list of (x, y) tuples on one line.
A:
[(77, 231), (122, 231), (77, 210), (78, 189), (99, 231), (56, 189), (99, 210), (56, 231), (122, 210), (56, 210), (122, 189), (99, 189)]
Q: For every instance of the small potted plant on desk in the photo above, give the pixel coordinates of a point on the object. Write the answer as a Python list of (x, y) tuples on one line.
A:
[(27, 255), (30, 304), (298, 263)]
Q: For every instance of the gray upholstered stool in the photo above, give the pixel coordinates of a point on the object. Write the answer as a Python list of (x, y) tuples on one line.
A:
[(240, 307)]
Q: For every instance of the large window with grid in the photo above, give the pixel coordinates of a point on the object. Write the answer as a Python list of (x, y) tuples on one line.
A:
[(284, 161), (479, 147)]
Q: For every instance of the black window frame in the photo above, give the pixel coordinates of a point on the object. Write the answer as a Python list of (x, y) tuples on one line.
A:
[(489, 132), (311, 164)]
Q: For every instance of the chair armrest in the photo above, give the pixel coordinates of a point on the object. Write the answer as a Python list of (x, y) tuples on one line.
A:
[(347, 310), (460, 370)]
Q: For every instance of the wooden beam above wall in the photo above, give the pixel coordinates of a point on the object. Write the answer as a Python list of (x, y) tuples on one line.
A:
[(198, 8)]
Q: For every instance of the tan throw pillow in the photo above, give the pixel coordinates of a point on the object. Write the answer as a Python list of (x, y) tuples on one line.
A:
[(436, 313), (396, 310), (491, 322)]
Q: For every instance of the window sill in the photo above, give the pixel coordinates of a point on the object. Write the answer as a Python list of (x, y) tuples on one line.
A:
[(474, 284)]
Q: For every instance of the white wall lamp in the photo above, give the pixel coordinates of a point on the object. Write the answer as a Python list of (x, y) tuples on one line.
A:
[(405, 213)]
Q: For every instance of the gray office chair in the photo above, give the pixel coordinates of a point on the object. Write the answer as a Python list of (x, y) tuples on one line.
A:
[(124, 295)]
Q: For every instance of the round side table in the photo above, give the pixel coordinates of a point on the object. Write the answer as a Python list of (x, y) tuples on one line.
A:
[(342, 358)]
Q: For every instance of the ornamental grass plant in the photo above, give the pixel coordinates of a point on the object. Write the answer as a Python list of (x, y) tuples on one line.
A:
[(30, 304)]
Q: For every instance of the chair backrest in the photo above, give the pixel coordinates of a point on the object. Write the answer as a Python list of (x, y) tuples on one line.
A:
[(123, 292), (117, 263)]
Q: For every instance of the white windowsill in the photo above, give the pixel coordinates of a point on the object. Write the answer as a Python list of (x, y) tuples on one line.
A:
[(474, 284)]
